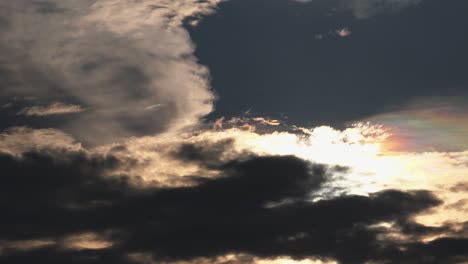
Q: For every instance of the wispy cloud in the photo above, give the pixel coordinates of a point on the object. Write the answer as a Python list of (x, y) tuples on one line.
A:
[(18, 140), (427, 124), (53, 109), (366, 8)]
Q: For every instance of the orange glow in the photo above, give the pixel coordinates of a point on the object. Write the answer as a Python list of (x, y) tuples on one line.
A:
[(344, 32)]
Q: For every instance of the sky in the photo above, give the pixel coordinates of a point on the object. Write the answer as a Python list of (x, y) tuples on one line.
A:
[(233, 131)]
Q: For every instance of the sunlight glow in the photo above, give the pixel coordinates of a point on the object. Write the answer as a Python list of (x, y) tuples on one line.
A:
[(362, 148)]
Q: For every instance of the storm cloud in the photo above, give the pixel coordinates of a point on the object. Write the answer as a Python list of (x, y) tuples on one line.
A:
[(258, 206)]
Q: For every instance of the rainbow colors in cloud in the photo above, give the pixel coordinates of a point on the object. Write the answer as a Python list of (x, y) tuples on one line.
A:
[(431, 124)]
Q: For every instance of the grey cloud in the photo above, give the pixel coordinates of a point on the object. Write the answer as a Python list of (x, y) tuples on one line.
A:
[(117, 57), (46, 7)]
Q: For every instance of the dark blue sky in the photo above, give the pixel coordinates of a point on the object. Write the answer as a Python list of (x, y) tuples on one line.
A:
[(264, 55)]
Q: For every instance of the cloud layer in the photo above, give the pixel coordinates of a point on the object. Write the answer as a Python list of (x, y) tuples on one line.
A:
[(260, 206)]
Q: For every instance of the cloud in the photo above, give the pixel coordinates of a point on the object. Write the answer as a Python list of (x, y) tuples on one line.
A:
[(23, 139), (53, 109), (168, 160), (115, 57), (343, 33), (370, 167), (427, 124), (257, 206), (158, 193), (129, 63)]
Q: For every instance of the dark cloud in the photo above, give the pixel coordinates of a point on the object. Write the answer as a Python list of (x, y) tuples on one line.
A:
[(258, 206), (461, 205), (207, 154), (461, 187), (57, 255), (46, 7), (40, 190)]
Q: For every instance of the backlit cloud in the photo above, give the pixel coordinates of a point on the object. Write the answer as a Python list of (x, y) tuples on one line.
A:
[(344, 32), (53, 109), (258, 206), (115, 57)]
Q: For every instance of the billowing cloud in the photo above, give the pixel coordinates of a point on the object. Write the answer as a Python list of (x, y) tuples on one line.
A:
[(116, 58), (248, 205)]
